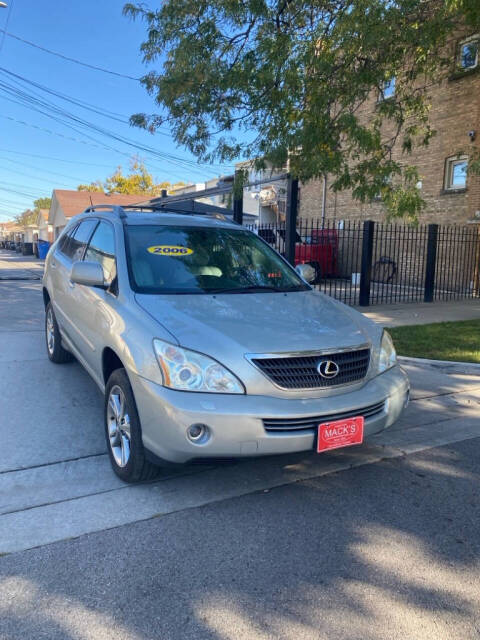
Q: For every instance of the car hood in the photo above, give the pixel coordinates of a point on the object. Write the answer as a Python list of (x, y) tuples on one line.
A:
[(227, 325)]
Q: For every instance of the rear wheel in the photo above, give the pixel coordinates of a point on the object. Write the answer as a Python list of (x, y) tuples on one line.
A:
[(56, 353), (123, 431)]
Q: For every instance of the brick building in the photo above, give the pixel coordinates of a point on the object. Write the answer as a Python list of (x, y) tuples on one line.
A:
[(450, 194)]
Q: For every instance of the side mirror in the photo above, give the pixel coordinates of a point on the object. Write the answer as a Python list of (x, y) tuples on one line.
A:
[(306, 272), (87, 273)]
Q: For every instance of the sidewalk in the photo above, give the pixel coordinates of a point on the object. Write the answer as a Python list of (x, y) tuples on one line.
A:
[(396, 315)]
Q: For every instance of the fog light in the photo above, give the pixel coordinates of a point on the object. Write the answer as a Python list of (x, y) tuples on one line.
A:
[(197, 432)]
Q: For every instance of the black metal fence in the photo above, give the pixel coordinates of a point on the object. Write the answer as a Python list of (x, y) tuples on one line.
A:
[(363, 263)]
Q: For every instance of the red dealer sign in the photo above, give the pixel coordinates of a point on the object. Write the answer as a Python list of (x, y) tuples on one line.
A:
[(340, 433)]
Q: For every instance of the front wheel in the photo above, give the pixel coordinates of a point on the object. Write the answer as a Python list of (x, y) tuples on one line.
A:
[(123, 431)]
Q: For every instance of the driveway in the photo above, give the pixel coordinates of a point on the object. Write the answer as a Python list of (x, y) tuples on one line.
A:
[(300, 546)]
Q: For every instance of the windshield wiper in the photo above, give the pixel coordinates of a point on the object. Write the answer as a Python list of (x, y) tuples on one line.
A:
[(251, 289)]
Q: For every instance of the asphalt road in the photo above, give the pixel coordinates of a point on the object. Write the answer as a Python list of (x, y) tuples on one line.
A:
[(386, 551), (380, 541)]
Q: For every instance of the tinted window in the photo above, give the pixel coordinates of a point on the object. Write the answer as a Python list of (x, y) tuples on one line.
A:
[(65, 239), (202, 260), (102, 250), (74, 248)]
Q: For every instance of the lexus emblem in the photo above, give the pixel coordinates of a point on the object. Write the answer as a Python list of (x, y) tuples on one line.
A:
[(328, 369)]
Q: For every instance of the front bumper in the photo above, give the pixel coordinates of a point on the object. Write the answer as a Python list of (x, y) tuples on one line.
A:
[(236, 421)]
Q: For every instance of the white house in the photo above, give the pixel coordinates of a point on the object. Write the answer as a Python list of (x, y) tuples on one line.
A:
[(219, 200), (30, 233), (266, 201), (10, 231), (45, 230)]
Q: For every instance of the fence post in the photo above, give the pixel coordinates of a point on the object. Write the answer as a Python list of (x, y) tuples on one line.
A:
[(291, 220), (238, 198), (431, 262), (476, 268), (366, 270)]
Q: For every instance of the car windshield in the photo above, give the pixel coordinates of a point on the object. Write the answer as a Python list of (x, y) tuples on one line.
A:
[(167, 259)]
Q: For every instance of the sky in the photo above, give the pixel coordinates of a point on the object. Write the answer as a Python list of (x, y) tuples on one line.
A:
[(39, 153)]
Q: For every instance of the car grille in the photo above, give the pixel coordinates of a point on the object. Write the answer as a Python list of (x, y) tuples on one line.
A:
[(300, 372), (312, 422)]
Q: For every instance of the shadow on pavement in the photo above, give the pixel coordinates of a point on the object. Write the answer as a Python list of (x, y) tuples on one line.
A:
[(384, 551)]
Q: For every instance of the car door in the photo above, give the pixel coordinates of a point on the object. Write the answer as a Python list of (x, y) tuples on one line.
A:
[(71, 252), (59, 270), (95, 307)]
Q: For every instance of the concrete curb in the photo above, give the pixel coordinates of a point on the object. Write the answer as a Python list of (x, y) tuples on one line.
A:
[(467, 368)]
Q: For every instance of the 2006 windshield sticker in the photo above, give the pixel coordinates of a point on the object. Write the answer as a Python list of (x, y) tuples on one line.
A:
[(170, 250)]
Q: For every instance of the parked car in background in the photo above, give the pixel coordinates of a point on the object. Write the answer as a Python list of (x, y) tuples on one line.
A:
[(319, 249), (207, 344)]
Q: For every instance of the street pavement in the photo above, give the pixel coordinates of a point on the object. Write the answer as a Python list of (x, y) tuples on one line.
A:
[(379, 541)]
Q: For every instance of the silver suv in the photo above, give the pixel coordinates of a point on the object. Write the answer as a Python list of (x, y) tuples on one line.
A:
[(207, 344)]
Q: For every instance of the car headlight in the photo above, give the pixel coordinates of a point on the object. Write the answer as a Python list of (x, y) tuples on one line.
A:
[(187, 370), (388, 355)]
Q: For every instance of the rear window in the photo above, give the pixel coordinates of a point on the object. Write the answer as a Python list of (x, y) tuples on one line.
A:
[(205, 260)]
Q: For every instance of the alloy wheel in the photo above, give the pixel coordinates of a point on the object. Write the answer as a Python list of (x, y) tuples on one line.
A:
[(118, 422), (50, 328)]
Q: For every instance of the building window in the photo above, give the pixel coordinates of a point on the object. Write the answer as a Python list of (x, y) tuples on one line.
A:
[(388, 90), (468, 53), (456, 173)]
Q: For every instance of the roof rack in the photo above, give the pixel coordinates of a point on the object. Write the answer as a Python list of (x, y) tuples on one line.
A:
[(121, 211)]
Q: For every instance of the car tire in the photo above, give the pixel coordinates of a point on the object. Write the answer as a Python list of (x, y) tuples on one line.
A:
[(55, 351), (123, 431)]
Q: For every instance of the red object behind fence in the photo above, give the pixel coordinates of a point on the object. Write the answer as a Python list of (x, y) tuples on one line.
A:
[(320, 249)]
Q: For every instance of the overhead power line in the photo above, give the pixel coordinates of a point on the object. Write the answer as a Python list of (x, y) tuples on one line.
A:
[(53, 111), (64, 57), (106, 113), (76, 101), (6, 23), (64, 117), (42, 170), (33, 196), (31, 177), (42, 157), (56, 133), (5, 202)]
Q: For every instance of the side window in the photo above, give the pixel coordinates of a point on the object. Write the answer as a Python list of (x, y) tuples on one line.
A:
[(74, 248), (102, 250), (65, 240)]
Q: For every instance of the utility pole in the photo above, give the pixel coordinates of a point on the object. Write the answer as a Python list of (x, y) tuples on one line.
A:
[(291, 219), (238, 198)]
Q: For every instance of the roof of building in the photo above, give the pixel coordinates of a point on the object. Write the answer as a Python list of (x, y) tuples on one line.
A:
[(74, 202), (43, 213), (11, 225)]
